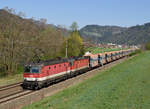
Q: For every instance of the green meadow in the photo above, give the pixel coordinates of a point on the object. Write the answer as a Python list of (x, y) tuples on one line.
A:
[(95, 50)]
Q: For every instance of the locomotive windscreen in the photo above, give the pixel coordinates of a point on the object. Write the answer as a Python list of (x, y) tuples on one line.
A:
[(35, 69), (31, 69), (27, 69)]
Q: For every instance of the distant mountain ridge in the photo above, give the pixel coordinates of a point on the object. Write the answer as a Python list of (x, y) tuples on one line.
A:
[(134, 35), (114, 34)]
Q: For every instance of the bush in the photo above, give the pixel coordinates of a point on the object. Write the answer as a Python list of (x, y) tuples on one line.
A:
[(147, 46), (135, 52)]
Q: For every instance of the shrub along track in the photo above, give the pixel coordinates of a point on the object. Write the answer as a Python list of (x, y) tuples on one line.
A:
[(53, 88)]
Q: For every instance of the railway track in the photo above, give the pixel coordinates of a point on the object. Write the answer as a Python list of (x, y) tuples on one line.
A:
[(15, 95), (13, 91), (10, 86), (10, 90), (28, 96)]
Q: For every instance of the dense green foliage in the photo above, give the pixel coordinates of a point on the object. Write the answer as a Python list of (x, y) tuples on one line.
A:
[(74, 45), (135, 52), (111, 34), (125, 86), (147, 46)]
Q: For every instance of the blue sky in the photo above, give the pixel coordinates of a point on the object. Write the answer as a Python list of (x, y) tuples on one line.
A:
[(101, 12)]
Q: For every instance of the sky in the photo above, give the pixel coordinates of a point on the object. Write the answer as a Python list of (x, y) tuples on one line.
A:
[(85, 12)]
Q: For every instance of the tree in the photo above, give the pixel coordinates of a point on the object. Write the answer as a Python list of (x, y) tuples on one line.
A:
[(11, 43), (74, 26), (74, 45), (24, 40), (50, 43)]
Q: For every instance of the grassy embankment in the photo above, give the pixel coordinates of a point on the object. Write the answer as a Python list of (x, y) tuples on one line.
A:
[(11, 79), (124, 86), (95, 50)]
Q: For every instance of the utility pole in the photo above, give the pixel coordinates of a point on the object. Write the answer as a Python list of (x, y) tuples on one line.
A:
[(103, 55), (66, 48)]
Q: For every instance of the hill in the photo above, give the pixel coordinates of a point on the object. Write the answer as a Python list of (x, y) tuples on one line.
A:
[(24, 40), (100, 33), (120, 35), (139, 34)]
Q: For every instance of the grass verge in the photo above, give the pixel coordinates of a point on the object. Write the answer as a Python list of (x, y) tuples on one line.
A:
[(11, 79)]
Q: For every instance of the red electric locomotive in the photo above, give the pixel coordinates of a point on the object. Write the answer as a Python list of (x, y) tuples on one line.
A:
[(44, 73)]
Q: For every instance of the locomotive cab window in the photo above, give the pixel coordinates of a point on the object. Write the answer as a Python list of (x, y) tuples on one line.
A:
[(27, 69), (35, 69), (31, 69)]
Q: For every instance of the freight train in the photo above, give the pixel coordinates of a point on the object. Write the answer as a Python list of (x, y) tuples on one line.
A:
[(44, 73)]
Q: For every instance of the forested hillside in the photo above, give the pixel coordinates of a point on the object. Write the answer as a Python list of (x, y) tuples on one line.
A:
[(98, 33), (25, 40), (139, 34)]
